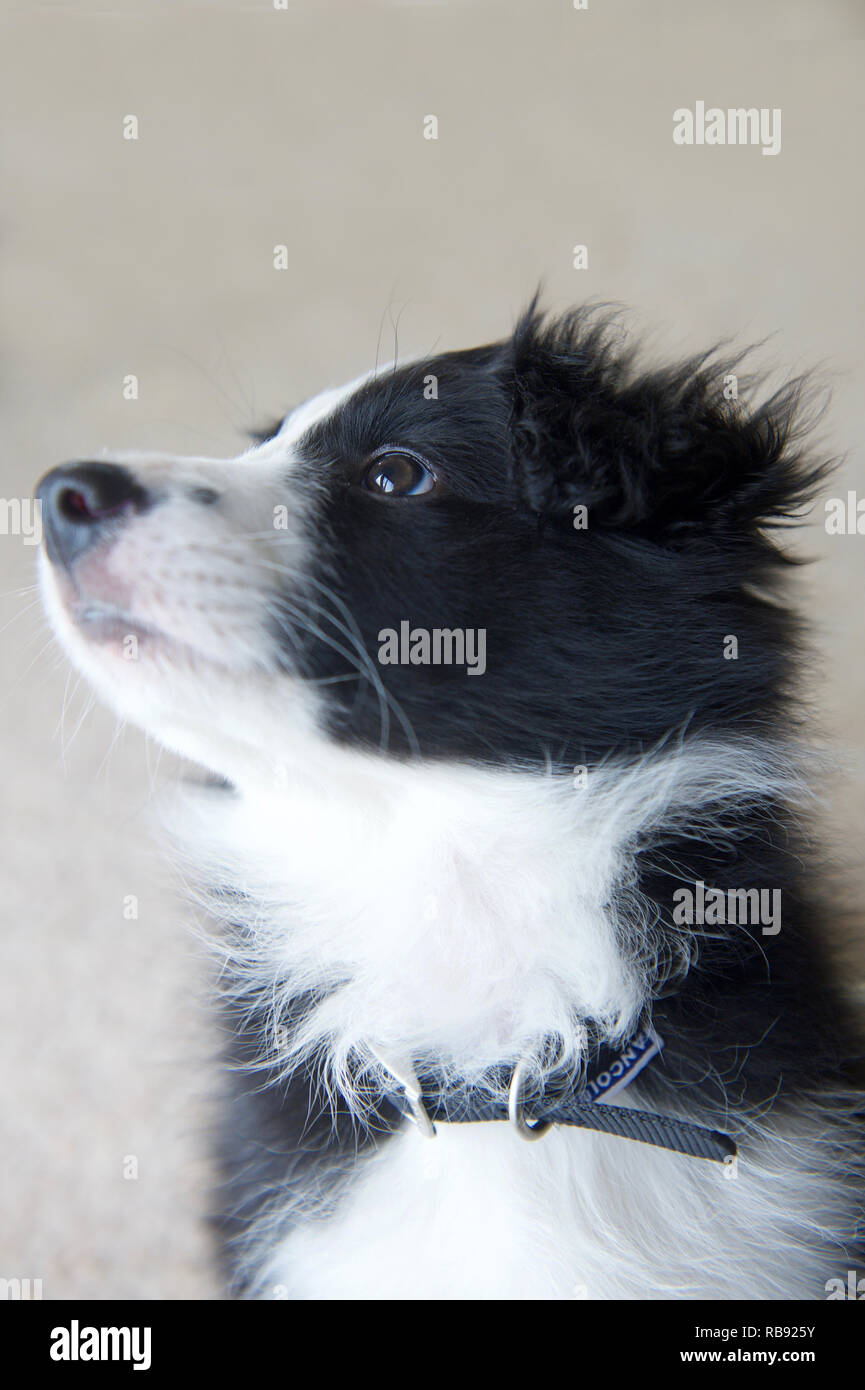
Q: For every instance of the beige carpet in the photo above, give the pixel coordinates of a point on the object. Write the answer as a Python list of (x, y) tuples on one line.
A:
[(304, 127)]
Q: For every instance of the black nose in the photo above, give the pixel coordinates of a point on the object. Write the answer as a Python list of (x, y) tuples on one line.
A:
[(80, 501)]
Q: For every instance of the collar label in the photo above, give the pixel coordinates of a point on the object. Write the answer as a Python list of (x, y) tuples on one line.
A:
[(616, 1070)]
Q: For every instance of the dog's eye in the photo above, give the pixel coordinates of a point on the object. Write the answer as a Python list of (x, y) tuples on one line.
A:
[(398, 474)]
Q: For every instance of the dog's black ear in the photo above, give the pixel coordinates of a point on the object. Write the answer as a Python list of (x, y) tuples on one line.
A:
[(662, 453)]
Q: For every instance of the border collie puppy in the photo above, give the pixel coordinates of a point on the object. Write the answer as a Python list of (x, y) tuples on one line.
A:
[(489, 657)]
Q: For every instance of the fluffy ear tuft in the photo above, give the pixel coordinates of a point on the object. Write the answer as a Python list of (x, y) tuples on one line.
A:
[(660, 453)]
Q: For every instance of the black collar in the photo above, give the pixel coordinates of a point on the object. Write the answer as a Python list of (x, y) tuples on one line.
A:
[(429, 1100)]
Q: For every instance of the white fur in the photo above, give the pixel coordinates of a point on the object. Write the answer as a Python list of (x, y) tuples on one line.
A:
[(467, 915), (479, 1213), (453, 911), (194, 585), (447, 913)]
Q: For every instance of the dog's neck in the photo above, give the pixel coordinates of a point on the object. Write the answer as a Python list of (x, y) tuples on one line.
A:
[(458, 914)]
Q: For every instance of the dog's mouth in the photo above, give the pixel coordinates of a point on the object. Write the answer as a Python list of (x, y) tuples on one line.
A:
[(111, 625), (102, 622)]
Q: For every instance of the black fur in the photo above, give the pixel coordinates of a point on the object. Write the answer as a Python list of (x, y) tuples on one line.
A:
[(600, 641)]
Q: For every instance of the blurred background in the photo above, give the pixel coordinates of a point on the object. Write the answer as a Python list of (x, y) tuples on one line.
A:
[(302, 125)]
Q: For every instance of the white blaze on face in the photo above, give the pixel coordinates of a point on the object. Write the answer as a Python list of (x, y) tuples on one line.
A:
[(175, 619), (191, 578), (171, 618)]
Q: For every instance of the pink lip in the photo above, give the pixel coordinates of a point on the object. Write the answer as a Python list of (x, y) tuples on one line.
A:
[(108, 624), (97, 619), (102, 623)]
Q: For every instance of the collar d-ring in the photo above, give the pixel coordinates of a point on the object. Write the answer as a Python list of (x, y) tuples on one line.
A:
[(515, 1106), (405, 1074)]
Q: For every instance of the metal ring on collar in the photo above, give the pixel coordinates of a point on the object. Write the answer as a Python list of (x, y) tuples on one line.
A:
[(515, 1106), (404, 1073)]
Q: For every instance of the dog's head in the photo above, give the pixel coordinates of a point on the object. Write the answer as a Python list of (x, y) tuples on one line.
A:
[(526, 553)]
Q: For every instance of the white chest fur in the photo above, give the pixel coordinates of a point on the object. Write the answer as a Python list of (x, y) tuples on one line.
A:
[(479, 1213), (469, 915)]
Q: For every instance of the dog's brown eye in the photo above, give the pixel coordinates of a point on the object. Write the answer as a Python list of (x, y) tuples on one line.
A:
[(398, 474)]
